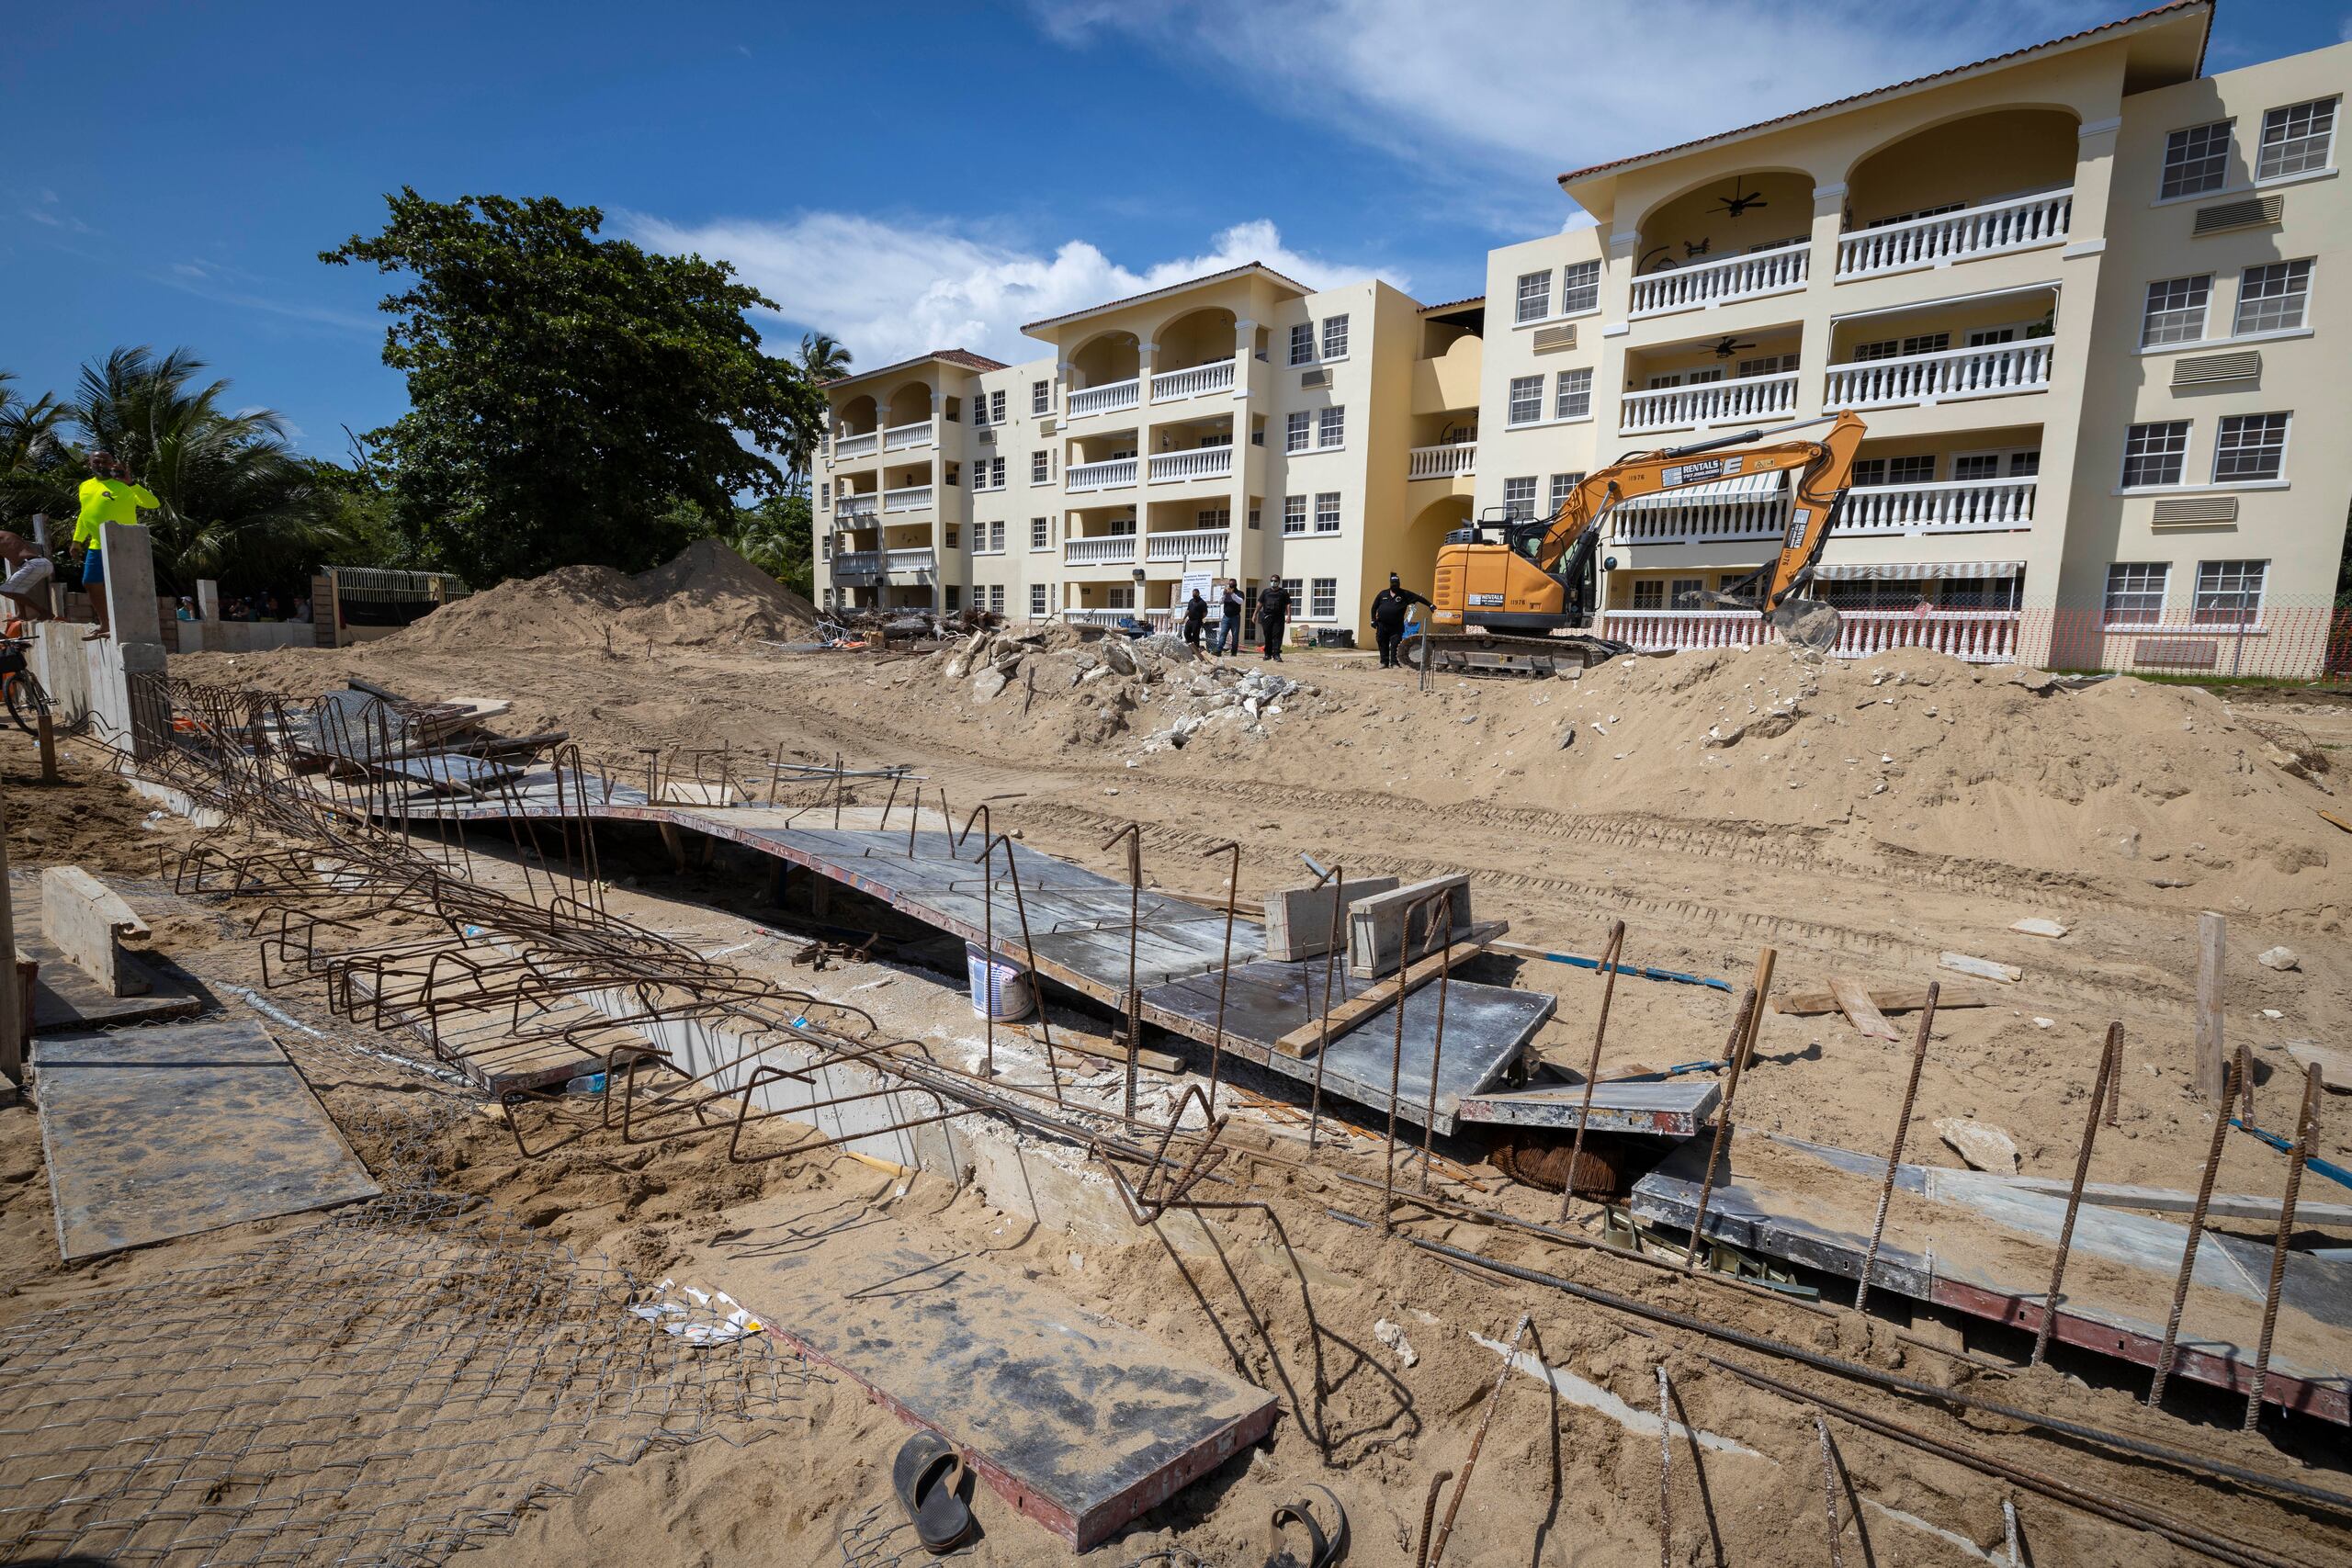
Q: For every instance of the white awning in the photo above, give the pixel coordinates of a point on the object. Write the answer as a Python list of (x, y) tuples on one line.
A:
[(1744, 487), (1904, 571)]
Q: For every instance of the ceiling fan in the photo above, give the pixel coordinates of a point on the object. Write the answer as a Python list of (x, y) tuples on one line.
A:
[(1731, 345), (1735, 204)]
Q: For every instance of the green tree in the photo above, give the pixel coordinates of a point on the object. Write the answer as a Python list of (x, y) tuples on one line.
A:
[(566, 390), (778, 538), (822, 359), (34, 459)]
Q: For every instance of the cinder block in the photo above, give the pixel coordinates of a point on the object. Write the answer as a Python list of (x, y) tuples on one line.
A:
[(1377, 925), (1299, 920), (86, 922)]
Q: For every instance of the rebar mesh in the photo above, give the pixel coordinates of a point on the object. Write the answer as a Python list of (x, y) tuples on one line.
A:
[(387, 1387)]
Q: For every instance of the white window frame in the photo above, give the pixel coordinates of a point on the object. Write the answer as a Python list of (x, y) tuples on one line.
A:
[(2192, 146), (1327, 512), (1041, 396), (1649, 593), (1302, 343), (2005, 462), (1294, 515), (2281, 122), (1540, 296), (2141, 581), (2165, 309), (1563, 485), (1041, 467), (1514, 497), (1323, 599), (996, 538), (1119, 596), (2180, 457), (2211, 576), (2235, 425), (1525, 404), (996, 408), (1298, 430), (1041, 534), (1039, 605), (996, 598), (2297, 286), (1572, 394), (1335, 337), (1580, 288), (1332, 428)]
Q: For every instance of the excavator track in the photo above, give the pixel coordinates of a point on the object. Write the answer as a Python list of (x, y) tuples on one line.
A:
[(1489, 654)]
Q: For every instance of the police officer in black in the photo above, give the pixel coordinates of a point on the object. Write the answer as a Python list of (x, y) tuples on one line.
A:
[(1388, 608), (1274, 610)]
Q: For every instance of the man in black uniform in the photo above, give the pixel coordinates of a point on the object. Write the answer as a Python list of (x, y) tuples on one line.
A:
[(1388, 608), (1274, 610)]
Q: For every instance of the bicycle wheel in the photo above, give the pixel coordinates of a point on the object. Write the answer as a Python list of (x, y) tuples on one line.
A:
[(27, 699)]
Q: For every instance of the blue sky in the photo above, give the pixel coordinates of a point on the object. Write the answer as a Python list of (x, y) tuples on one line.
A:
[(905, 176)]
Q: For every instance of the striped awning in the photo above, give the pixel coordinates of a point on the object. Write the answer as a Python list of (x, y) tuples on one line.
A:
[(1907, 572), (1760, 487)]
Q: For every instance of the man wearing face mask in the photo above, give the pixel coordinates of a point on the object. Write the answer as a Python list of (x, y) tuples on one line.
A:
[(1389, 609)]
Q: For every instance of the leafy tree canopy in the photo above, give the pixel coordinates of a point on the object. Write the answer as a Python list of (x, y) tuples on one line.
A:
[(572, 399)]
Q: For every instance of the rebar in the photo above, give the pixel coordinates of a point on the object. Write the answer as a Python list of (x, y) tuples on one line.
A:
[(1323, 1039), (1895, 1151), (1735, 1053), (2165, 1352), (1133, 833), (1436, 1553), (2107, 1054), (2306, 1134), (1828, 1487), (1224, 965), (1610, 953)]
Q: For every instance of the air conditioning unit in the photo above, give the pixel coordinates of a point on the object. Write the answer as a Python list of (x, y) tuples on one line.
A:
[(1315, 378), (2194, 510), (988, 437), (1548, 339)]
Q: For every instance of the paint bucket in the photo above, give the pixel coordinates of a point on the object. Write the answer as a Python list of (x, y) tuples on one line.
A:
[(1000, 991)]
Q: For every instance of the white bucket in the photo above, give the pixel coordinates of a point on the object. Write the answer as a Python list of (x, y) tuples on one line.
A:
[(1000, 991)]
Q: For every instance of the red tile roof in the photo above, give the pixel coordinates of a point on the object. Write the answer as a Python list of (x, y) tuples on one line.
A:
[(2170, 7), (1171, 288), (1454, 305)]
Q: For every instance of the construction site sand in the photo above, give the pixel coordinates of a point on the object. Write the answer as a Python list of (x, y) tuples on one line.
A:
[(707, 595)]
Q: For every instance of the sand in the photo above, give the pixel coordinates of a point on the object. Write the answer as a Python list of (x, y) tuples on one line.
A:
[(707, 595)]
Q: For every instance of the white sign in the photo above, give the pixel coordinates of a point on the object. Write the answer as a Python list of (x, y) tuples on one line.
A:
[(1204, 581)]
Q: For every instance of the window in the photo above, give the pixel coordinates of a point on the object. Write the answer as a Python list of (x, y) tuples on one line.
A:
[(996, 408), (1041, 467), (1918, 212), (1302, 343), (996, 538), (1915, 470), (1976, 466), (1580, 288), (1253, 517), (1041, 396), (996, 473), (2025, 465), (825, 546), (1294, 514), (2272, 298), (1650, 595), (980, 412), (1685, 590), (1292, 586), (1767, 365), (1534, 296), (1331, 427), (1296, 430), (824, 495), (1563, 485), (2176, 311), (1986, 337), (2229, 593), (1526, 400), (1122, 597), (1323, 603), (996, 598), (1041, 534), (2154, 454), (1335, 337), (1036, 601), (954, 596), (1327, 512), (2196, 160), (1573, 400), (951, 538), (1519, 498), (1903, 347), (2250, 447), (2297, 139)]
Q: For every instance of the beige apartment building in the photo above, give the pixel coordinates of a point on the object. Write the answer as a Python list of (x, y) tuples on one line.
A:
[(2087, 298)]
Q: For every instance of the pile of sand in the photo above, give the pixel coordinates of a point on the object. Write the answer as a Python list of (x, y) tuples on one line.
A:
[(709, 594)]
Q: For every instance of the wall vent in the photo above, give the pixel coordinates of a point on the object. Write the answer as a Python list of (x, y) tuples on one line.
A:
[(1549, 339), (2252, 213), (1315, 378), (2212, 369), (2173, 653), (2190, 510)]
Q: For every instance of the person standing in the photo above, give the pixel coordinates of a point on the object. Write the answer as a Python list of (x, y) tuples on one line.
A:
[(108, 496), (24, 577), (1197, 614), (1231, 607), (1388, 610), (1273, 611)]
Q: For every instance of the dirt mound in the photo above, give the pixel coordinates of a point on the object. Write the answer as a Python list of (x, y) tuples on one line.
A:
[(707, 595)]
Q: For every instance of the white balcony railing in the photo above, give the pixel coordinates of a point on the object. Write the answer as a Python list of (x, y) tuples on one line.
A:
[(1214, 377), (899, 437), (1108, 397), (1697, 285), (1444, 462), (856, 445), (1157, 620), (1099, 549), (1109, 475), (1191, 544), (1979, 637), (1709, 403), (856, 506), (1954, 506), (857, 563), (909, 561), (910, 498), (1994, 371), (2018, 224), (1192, 463)]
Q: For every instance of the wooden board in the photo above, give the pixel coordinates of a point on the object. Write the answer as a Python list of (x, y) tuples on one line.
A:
[(1982, 968), (1308, 1038), (1075, 1421), (1855, 1003)]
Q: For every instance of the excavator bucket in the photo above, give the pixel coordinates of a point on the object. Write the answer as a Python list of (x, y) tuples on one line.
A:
[(1806, 623)]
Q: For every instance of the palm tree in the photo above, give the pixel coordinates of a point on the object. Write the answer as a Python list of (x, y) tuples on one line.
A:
[(822, 359), (34, 474)]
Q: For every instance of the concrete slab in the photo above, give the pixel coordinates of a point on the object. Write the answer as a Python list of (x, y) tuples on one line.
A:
[(1075, 1421), (88, 922), (1377, 925), (1299, 920), (177, 1129)]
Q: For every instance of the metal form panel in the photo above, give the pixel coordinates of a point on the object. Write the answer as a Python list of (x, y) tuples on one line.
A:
[(1673, 1108)]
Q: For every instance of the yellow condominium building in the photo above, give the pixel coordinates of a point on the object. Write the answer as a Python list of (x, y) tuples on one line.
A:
[(2086, 296)]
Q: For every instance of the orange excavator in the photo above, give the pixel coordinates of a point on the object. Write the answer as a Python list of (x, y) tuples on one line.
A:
[(1522, 604)]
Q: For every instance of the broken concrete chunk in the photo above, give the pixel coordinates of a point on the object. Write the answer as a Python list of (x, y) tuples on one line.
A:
[(1393, 1336), (1119, 657), (1982, 1146), (987, 684), (2034, 925), (1982, 968), (2280, 958), (2334, 1066)]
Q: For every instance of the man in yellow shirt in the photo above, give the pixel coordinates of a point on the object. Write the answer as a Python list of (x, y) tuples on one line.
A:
[(108, 496)]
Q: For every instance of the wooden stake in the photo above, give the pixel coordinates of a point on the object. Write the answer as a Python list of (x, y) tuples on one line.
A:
[(2210, 1059)]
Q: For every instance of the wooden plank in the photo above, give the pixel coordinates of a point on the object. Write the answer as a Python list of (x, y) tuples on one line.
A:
[(2327, 815), (1068, 1039), (1855, 1003), (1886, 999), (2210, 1080), (1982, 968), (1306, 1040), (2334, 1066)]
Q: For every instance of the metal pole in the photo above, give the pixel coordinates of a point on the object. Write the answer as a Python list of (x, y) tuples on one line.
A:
[(2195, 1228), (988, 955), (1894, 1154), (1828, 1486), (1133, 833), (1470, 1462), (1436, 1040), (1664, 1475), (1736, 1052), (1224, 969), (2106, 1055), (1610, 954), (2306, 1134), (1396, 1055), (1330, 953)]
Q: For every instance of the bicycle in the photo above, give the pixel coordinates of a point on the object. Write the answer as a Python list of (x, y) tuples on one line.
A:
[(27, 699)]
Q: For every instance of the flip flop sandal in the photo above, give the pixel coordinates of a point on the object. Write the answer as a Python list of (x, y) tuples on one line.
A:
[(1322, 1550), (926, 1476)]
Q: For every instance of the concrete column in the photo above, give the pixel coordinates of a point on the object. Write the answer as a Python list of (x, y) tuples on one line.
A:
[(207, 598), (125, 669)]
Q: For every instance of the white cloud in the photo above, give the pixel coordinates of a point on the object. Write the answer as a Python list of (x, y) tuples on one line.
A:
[(1533, 89), (891, 290)]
